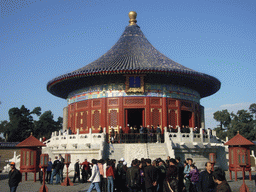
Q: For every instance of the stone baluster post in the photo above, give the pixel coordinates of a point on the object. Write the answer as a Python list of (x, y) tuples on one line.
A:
[(179, 134), (201, 135), (90, 135), (209, 135), (191, 135)]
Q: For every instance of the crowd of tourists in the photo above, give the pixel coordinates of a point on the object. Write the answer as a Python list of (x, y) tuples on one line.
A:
[(142, 175), (152, 176)]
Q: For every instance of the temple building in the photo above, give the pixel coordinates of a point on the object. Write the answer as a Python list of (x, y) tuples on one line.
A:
[(135, 84)]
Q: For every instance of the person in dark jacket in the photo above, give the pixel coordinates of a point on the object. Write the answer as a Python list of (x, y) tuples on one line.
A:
[(77, 171), (171, 182), (180, 168), (56, 166), (119, 177), (151, 177), (49, 170), (62, 160), (123, 177), (14, 177), (162, 174), (206, 183), (220, 178), (133, 177)]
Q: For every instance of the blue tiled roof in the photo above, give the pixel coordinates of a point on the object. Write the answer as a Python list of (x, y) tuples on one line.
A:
[(132, 52)]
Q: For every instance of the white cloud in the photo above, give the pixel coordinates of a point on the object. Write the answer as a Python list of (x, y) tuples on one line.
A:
[(208, 109), (235, 107)]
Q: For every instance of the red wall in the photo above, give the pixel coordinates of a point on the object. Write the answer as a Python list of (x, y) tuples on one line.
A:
[(107, 112)]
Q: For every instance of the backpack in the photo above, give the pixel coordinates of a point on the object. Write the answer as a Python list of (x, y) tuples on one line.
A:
[(119, 169), (133, 178)]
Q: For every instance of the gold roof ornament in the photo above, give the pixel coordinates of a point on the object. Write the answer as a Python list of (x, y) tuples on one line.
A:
[(132, 16)]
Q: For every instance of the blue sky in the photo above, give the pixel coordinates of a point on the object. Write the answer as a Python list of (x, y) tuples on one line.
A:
[(42, 39)]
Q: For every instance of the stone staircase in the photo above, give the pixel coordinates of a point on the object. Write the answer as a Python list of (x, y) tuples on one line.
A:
[(157, 150), (130, 151), (116, 152)]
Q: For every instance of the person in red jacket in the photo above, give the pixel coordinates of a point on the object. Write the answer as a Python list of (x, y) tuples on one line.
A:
[(110, 176), (85, 170)]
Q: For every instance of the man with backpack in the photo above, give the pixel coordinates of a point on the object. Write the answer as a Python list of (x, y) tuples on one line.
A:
[(56, 171), (62, 160), (133, 177), (119, 172)]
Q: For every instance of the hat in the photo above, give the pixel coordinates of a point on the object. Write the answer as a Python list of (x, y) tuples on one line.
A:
[(124, 163), (122, 159), (12, 163)]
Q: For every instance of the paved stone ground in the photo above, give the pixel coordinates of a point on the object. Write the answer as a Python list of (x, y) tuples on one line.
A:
[(30, 186)]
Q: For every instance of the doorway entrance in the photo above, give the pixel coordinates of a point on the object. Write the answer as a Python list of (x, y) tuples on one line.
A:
[(186, 118), (134, 117)]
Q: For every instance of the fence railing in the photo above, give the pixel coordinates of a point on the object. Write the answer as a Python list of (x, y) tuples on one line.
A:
[(136, 138)]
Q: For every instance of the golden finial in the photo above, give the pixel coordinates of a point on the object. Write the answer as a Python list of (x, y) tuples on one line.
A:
[(31, 133), (132, 16)]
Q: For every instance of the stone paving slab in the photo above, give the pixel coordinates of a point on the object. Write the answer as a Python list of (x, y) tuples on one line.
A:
[(31, 186)]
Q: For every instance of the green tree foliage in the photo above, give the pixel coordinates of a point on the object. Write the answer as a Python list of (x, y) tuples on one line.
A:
[(46, 125), (252, 109), (223, 117), (21, 124), (242, 121)]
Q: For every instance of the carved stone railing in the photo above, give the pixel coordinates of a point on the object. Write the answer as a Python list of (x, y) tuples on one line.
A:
[(191, 137), (65, 141)]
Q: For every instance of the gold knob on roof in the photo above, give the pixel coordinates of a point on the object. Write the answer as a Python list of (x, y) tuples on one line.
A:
[(132, 16)]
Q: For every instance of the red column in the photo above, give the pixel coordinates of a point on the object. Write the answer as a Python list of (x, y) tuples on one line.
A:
[(121, 113), (126, 118), (104, 113), (193, 119), (89, 114), (179, 113), (164, 117), (148, 112)]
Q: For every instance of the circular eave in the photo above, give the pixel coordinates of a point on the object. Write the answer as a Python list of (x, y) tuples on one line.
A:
[(133, 54), (63, 85)]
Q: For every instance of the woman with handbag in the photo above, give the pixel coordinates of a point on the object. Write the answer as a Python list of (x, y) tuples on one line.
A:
[(171, 182)]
